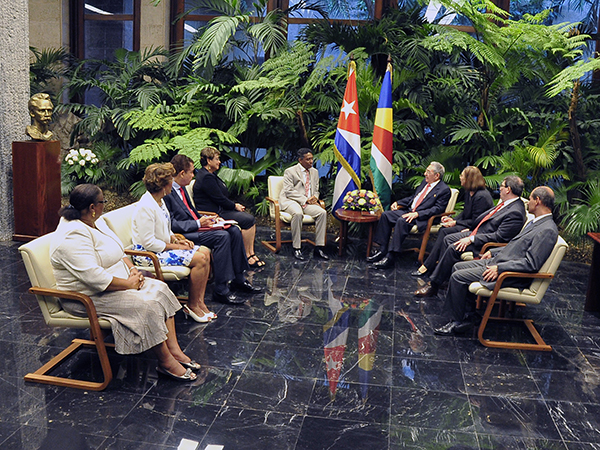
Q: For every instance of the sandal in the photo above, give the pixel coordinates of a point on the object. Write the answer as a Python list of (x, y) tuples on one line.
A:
[(257, 263), (187, 376), (191, 365)]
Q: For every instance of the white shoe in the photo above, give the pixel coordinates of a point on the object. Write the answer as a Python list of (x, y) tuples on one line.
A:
[(205, 318)]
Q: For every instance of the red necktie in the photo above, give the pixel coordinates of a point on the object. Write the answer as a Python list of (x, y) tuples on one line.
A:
[(490, 214), (422, 196), (185, 202)]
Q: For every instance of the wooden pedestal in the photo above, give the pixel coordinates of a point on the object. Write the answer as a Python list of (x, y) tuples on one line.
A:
[(36, 188)]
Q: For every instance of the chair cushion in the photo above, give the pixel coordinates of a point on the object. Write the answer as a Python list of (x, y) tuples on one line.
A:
[(287, 218)]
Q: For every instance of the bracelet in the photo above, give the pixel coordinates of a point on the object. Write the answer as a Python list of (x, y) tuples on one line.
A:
[(131, 268)]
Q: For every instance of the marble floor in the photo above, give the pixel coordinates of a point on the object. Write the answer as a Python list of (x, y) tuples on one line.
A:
[(332, 355)]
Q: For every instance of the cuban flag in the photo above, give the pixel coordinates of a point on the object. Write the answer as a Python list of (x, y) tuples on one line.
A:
[(381, 150), (347, 143)]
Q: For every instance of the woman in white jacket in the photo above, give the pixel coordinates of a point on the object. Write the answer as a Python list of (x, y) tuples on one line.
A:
[(88, 257), (151, 230)]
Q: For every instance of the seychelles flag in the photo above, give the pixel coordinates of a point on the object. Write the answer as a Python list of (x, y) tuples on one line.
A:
[(381, 150), (335, 336), (347, 143), (367, 344)]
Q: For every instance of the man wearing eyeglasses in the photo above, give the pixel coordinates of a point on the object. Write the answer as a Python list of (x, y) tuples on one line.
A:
[(498, 224)]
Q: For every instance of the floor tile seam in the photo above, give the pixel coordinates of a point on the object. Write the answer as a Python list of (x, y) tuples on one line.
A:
[(468, 395), (125, 416), (424, 358)]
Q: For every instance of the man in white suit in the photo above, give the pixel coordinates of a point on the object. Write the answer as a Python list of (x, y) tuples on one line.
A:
[(299, 196)]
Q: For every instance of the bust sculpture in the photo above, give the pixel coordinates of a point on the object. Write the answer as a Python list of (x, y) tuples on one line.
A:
[(40, 110)]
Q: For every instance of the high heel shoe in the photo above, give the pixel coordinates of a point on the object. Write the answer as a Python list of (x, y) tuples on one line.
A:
[(191, 365), (205, 318), (212, 315), (187, 376)]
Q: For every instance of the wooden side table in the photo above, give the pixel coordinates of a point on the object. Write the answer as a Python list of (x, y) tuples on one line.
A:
[(592, 298), (345, 216)]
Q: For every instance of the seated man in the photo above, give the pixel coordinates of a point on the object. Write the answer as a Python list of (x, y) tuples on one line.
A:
[(430, 198), (229, 256), (527, 252), (499, 224), (299, 196)]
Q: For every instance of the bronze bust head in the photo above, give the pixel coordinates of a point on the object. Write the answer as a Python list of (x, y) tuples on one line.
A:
[(40, 110)]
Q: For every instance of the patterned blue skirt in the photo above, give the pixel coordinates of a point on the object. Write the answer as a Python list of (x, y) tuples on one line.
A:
[(166, 258)]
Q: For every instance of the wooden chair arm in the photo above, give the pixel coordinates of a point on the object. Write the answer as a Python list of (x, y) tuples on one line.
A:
[(157, 269), (322, 204), (90, 309), (489, 245), (272, 200), (504, 275), (437, 216), (207, 213)]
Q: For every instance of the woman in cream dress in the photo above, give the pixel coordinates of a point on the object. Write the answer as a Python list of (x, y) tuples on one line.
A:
[(88, 257)]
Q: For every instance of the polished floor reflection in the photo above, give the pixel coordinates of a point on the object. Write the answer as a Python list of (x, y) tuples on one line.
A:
[(332, 356)]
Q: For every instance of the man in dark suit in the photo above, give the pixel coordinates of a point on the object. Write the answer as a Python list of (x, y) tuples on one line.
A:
[(527, 252), (430, 198), (498, 224), (229, 256)]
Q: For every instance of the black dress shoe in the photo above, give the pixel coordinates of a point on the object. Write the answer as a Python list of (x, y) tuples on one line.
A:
[(416, 273), (448, 329), (320, 254), (377, 256), (386, 263), (427, 291), (246, 287), (229, 299), (298, 255)]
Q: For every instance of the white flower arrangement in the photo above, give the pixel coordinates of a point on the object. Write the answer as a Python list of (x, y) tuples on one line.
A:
[(81, 156), (82, 163)]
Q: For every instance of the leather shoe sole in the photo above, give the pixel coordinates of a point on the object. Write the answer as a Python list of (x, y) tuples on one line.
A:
[(228, 299)]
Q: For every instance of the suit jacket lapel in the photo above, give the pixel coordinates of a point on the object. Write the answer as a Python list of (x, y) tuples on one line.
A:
[(182, 205)]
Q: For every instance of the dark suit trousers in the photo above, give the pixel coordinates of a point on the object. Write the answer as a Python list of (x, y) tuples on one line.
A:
[(440, 246), (449, 257), (459, 301), (389, 220), (229, 255)]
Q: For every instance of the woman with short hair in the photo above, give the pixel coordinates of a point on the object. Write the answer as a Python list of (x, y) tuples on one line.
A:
[(211, 194), (151, 231)]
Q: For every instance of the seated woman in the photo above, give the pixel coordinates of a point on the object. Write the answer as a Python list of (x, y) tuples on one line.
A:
[(151, 230), (88, 258), (477, 200), (211, 194)]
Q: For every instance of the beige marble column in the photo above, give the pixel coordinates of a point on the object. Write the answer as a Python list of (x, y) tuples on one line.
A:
[(14, 94)]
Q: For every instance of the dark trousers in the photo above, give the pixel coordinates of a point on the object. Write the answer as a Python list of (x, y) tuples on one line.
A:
[(388, 221), (228, 255), (440, 246), (449, 258), (459, 301)]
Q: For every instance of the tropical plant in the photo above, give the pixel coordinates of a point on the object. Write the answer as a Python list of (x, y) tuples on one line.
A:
[(47, 69), (584, 215), (133, 81)]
